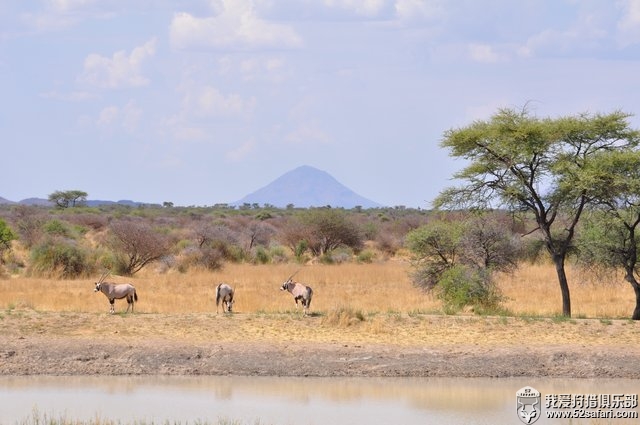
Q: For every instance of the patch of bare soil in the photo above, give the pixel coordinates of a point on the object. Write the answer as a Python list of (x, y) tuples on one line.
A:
[(204, 344)]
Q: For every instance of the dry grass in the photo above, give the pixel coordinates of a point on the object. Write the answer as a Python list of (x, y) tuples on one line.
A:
[(534, 291), (342, 293)]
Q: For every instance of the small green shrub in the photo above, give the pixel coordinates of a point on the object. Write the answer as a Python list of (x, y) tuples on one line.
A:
[(57, 228), (278, 254), (262, 256), (59, 257), (462, 286), (366, 256), (301, 248)]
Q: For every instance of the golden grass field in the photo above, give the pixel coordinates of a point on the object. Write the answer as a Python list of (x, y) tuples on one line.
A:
[(367, 288)]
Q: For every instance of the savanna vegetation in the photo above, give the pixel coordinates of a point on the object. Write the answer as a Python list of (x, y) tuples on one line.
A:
[(388, 260), (563, 193)]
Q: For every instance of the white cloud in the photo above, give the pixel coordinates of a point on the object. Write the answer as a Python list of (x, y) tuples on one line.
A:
[(108, 116), (113, 117), (67, 5), (254, 68), (236, 26), (360, 7), (201, 103), (587, 30), (408, 10), (209, 101), (629, 25), (62, 14), (483, 53), (121, 70)]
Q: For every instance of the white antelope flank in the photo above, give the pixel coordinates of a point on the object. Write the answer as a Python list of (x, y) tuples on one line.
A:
[(300, 292), (117, 291), (225, 294)]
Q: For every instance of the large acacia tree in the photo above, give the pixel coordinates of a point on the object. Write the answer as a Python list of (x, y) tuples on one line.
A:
[(538, 166), (610, 235)]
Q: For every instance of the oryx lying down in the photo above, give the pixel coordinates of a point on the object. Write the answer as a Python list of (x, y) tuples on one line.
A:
[(117, 291), (225, 294), (300, 293)]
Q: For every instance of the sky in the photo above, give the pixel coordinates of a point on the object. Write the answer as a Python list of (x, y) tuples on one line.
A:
[(200, 102)]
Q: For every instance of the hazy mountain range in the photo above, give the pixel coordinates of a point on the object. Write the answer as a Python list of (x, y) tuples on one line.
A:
[(302, 187)]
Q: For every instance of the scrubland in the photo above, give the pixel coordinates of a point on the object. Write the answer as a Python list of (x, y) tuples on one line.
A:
[(378, 288)]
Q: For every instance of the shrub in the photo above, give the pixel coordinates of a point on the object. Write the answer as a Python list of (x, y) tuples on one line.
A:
[(57, 228), (207, 257), (6, 236), (343, 317), (59, 257), (300, 248), (278, 254), (462, 286), (366, 256), (261, 256)]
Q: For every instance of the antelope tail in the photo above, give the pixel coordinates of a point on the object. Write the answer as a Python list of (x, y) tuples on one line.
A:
[(135, 295), (217, 295)]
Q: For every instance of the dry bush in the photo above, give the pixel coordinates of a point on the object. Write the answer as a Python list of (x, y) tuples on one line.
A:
[(343, 317)]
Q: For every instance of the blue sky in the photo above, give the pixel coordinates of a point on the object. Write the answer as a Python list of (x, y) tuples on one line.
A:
[(200, 102)]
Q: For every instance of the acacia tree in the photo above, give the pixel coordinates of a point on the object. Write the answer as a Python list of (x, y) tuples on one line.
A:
[(609, 236), (536, 166), (68, 198), (330, 228)]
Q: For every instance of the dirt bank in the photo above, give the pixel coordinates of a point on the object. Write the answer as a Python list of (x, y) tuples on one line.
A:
[(88, 344)]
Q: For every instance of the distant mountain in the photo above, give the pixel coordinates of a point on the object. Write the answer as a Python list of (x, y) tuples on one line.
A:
[(36, 201), (306, 187), (90, 203), (125, 202)]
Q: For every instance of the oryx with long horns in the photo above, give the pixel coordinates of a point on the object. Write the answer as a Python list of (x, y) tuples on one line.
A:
[(300, 292), (116, 291)]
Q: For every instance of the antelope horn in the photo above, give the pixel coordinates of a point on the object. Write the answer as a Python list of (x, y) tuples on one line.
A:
[(295, 273), (104, 275)]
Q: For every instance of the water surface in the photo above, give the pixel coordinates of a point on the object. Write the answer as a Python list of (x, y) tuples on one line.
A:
[(279, 401)]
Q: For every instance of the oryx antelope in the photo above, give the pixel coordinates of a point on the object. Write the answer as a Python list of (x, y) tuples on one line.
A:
[(117, 291), (300, 292), (225, 294)]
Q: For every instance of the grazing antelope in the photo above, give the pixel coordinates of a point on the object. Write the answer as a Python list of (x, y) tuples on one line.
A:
[(225, 294), (300, 292), (117, 291)]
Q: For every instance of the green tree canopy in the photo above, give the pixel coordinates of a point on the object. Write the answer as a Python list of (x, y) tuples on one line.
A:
[(540, 166), (609, 236), (68, 198)]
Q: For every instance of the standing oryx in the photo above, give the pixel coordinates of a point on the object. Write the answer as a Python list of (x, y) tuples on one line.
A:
[(300, 292), (117, 291), (225, 294)]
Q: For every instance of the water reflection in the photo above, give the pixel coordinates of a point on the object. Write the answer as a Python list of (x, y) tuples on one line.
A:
[(285, 400)]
